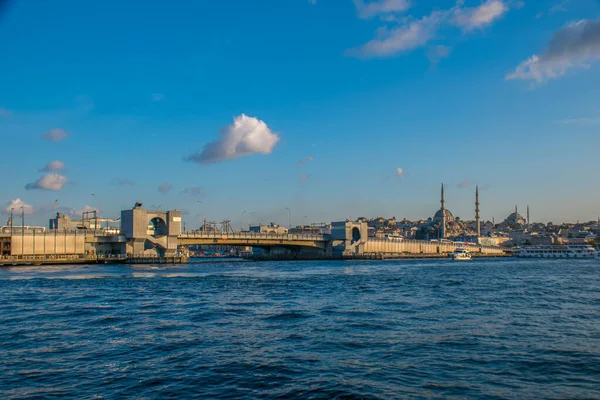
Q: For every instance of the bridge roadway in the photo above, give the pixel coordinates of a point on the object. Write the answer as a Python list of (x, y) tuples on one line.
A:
[(254, 239)]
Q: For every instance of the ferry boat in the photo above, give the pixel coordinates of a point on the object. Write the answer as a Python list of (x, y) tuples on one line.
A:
[(461, 254), (557, 251)]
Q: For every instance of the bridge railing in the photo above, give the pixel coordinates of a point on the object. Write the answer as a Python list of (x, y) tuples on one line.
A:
[(251, 235)]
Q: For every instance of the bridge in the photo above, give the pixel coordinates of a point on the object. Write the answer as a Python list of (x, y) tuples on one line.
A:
[(254, 239), (158, 234)]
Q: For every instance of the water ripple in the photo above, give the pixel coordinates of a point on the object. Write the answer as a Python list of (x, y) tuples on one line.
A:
[(497, 329)]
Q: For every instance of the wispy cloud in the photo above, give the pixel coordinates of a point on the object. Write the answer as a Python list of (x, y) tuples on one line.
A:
[(246, 136), (437, 53), (478, 17), (52, 181), (55, 135), (370, 9), (195, 191), (165, 187), (575, 45), (54, 166), (400, 171), (157, 96), (464, 185), (409, 33), (400, 39), (5, 113), (304, 177), (122, 182), (303, 161), (16, 205)]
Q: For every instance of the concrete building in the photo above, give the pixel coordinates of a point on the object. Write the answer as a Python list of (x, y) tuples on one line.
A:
[(150, 232)]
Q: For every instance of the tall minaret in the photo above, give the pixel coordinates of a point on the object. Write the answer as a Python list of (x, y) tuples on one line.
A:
[(516, 211), (528, 214), (443, 201), (477, 211)]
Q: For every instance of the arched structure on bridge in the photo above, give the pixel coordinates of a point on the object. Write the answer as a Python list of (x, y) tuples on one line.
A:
[(143, 228)]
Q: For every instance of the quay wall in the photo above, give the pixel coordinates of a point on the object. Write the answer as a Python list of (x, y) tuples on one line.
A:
[(383, 246)]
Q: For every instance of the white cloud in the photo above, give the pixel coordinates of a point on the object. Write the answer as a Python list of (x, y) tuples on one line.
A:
[(16, 205), (399, 171), (5, 113), (51, 181), (54, 166), (464, 185), (403, 38), (246, 136), (574, 46), (373, 8), (165, 187), (55, 135), (481, 16), (409, 33)]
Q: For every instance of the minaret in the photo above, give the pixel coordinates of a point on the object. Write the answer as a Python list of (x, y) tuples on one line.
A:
[(528, 214), (477, 211), (443, 201), (516, 212)]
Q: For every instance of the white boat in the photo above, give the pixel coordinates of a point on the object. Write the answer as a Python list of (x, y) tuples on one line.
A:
[(557, 251), (461, 254)]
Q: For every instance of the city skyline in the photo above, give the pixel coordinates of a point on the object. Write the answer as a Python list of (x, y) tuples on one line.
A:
[(200, 108)]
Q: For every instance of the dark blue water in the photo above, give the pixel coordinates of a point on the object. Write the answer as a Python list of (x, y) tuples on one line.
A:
[(383, 329)]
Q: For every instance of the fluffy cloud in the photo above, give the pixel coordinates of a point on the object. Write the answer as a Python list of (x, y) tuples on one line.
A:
[(304, 161), (195, 191), (5, 113), (464, 185), (481, 16), (573, 46), (399, 171), (122, 182), (165, 187), (51, 181), (373, 8), (54, 166), (246, 136), (16, 205), (403, 38), (55, 135)]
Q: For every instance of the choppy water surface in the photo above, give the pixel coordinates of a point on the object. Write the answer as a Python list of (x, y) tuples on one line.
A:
[(385, 329)]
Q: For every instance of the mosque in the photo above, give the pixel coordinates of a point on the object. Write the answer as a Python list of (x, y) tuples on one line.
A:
[(444, 224)]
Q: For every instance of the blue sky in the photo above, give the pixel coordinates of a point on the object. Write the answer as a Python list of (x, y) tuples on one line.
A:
[(127, 94)]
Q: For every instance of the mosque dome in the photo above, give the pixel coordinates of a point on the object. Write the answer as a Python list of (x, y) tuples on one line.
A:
[(439, 216), (515, 218)]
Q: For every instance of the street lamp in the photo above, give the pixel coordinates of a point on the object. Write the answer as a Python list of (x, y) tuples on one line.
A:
[(242, 222), (289, 218), (95, 211), (12, 223)]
